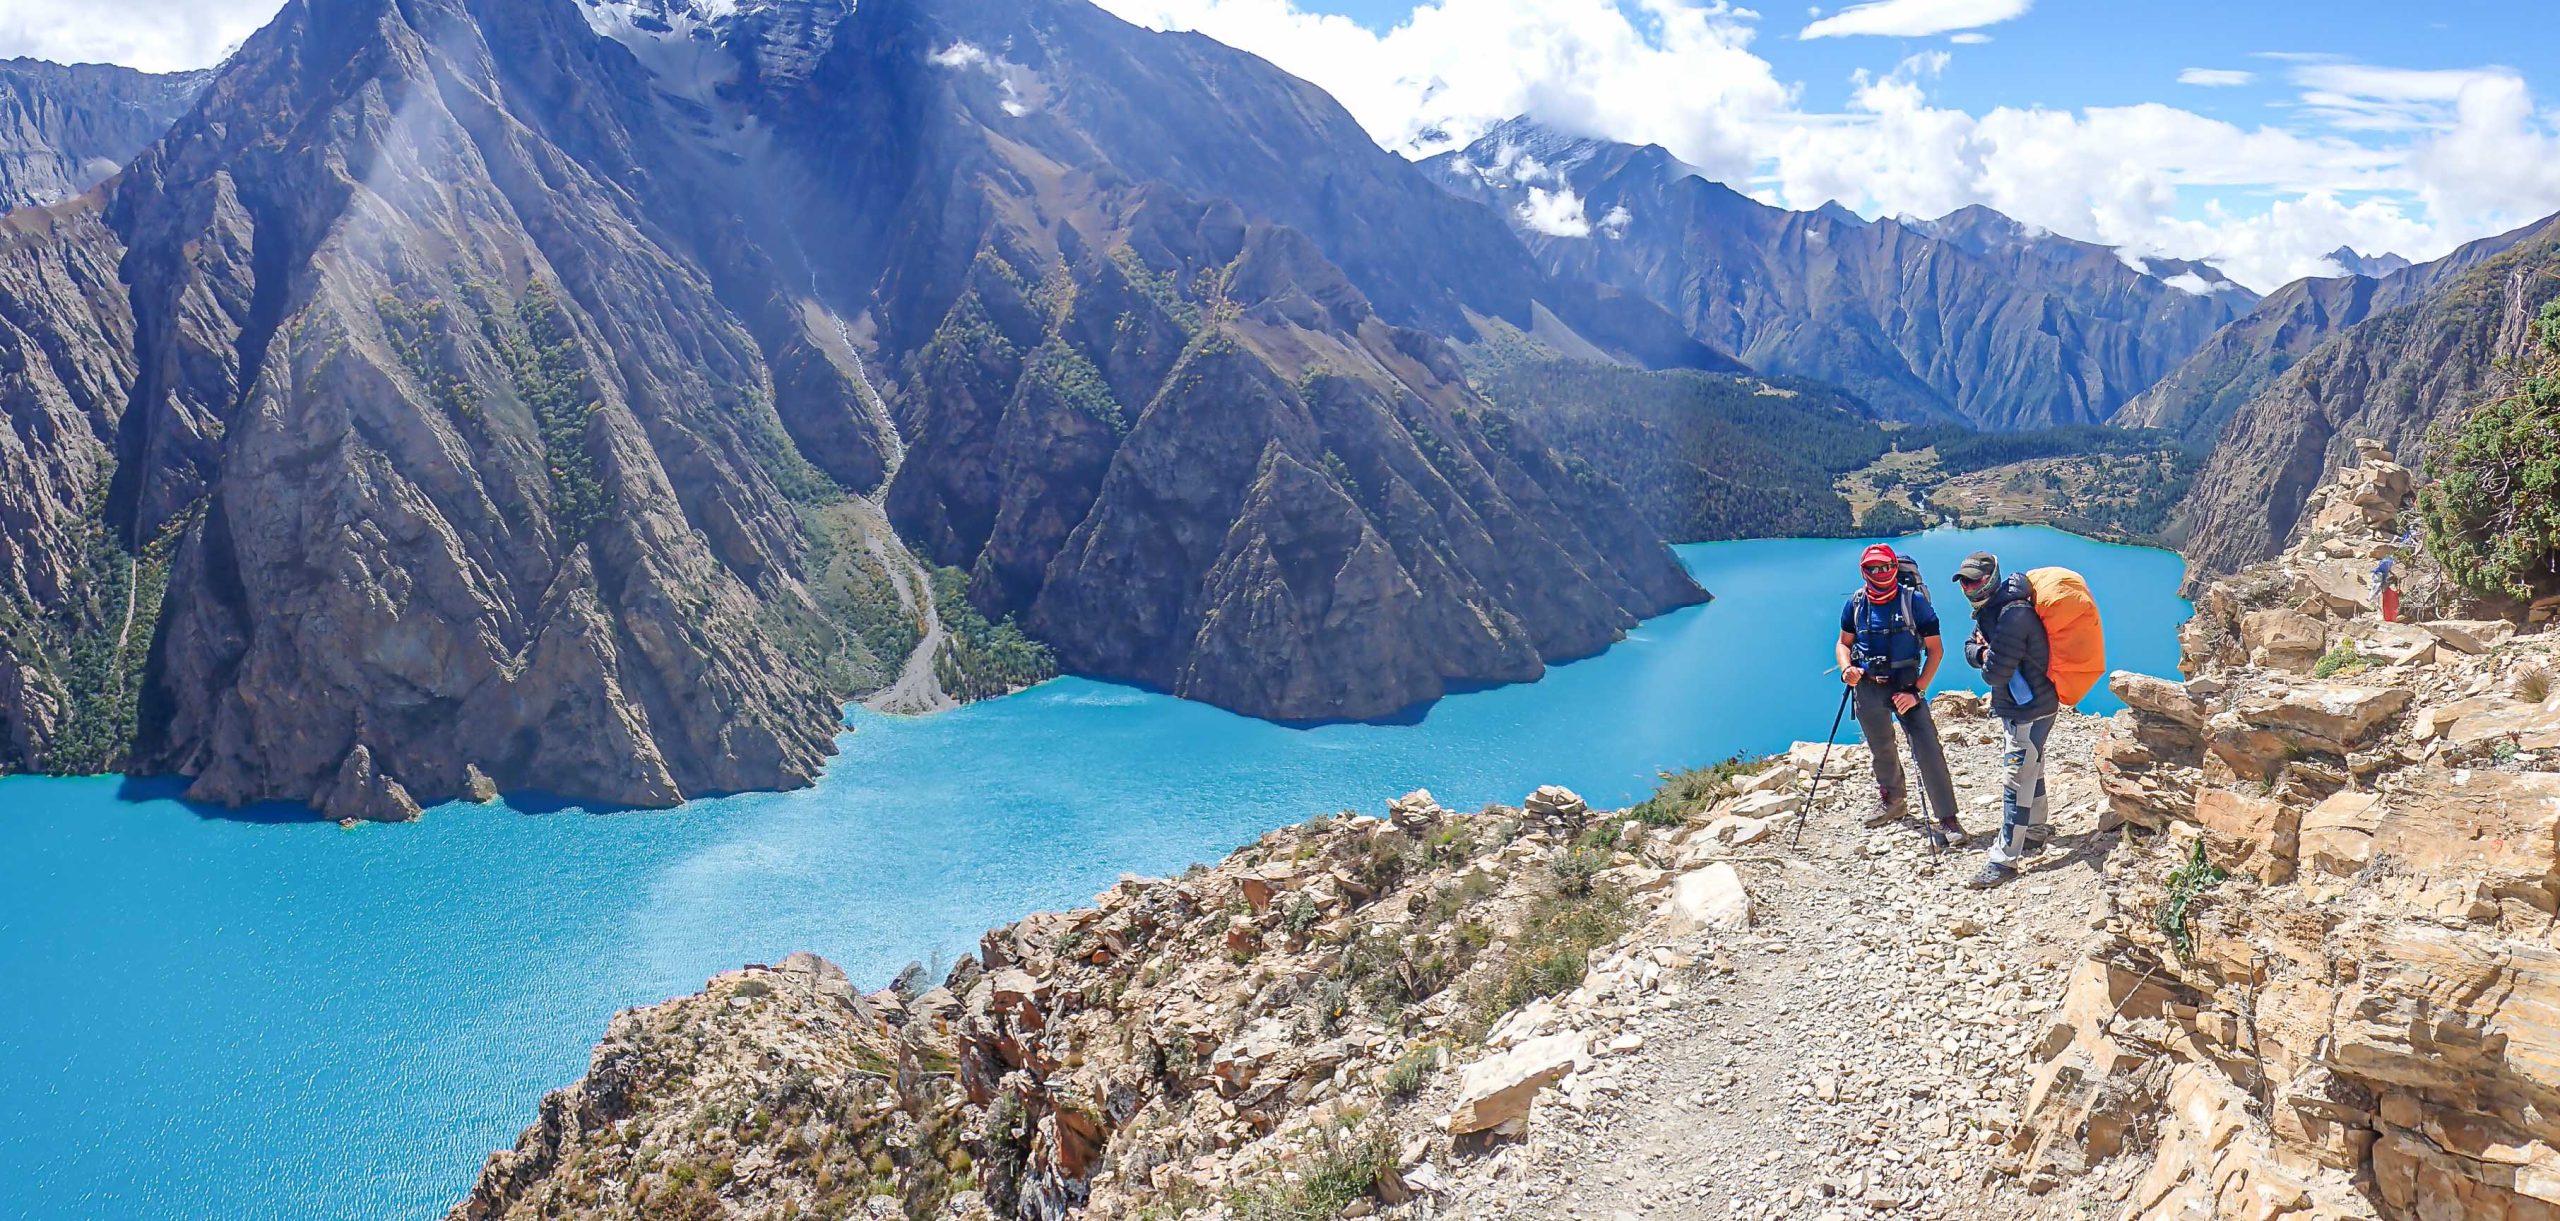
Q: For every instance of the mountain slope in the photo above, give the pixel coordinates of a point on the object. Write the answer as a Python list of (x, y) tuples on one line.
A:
[(502, 392), (2198, 398), (2393, 375), (65, 127), (1970, 317)]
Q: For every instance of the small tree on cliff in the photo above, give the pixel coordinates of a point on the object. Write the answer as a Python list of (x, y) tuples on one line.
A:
[(2492, 507)]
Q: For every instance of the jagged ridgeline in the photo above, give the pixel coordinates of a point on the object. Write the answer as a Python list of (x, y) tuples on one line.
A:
[(558, 395)]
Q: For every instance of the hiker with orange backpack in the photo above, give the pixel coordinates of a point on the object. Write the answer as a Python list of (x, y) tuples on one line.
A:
[(2012, 649)]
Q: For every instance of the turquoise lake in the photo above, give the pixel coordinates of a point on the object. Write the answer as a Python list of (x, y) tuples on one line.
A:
[(218, 1014)]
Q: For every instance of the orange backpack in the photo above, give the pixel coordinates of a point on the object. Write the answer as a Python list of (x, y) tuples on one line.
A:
[(2078, 646)]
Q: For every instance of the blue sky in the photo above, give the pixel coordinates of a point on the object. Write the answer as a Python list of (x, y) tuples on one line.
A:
[(2381, 126)]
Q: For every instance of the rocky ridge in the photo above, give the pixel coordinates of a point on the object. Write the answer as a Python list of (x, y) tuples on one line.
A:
[(1970, 317), (66, 127), (1530, 1011), (2330, 991)]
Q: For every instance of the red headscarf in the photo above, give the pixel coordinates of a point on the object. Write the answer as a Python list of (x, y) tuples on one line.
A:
[(1881, 589)]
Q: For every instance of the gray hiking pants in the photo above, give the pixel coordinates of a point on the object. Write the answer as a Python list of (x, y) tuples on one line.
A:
[(1876, 719), (2025, 807)]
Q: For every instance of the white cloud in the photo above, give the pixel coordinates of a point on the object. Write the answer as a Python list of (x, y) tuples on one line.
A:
[(1913, 18), (2361, 97), (153, 35), (1556, 213), (2216, 78), (1970, 38), (1649, 71), (961, 54)]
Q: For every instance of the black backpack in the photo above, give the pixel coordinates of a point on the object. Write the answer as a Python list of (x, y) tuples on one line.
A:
[(1907, 572)]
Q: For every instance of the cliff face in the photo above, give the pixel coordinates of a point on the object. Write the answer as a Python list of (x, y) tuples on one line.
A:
[(477, 392), (2443, 347), (64, 128), (2331, 991), (1969, 317)]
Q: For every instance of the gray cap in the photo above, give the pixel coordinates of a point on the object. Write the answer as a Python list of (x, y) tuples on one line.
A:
[(1980, 566)]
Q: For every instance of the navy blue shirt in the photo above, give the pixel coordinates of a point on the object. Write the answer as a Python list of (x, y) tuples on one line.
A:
[(1879, 629)]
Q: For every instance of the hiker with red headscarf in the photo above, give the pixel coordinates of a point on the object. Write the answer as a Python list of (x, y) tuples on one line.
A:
[(1889, 651)]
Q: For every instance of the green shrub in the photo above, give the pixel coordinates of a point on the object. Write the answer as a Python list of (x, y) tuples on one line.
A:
[(1405, 1077), (1303, 914), (1577, 870), (1343, 1164), (2187, 883), (2339, 662), (2492, 503), (1691, 790), (1552, 949), (2532, 684)]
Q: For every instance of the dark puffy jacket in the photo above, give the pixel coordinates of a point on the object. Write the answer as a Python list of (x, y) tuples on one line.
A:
[(2009, 642)]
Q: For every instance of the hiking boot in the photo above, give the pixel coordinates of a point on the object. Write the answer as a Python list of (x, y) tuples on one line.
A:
[(2033, 843), (1884, 814), (1993, 874), (1948, 835)]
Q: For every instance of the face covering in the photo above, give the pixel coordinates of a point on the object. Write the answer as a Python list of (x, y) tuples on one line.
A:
[(1881, 586)]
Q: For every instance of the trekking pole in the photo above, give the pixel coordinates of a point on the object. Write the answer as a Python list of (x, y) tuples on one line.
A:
[(1797, 835)]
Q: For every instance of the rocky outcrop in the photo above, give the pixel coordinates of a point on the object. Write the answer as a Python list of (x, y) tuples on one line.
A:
[(2329, 995), (482, 399), (1971, 316), (1423, 1015), (1221, 1034), (65, 128)]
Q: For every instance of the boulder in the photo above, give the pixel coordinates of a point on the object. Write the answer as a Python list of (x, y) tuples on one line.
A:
[(2432, 722), (2489, 827), (1774, 776), (2529, 726), (2396, 644), (1498, 1089), (1239, 1060), (364, 792), (476, 784), (2157, 696), (1708, 898), (2283, 639), (1764, 804), (2249, 834), (2472, 636), (2333, 716), (2341, 586), (2336, 836), (1846, 759), (1958, 705)]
